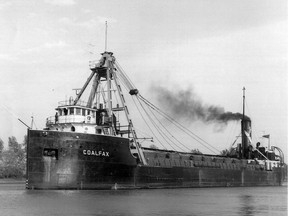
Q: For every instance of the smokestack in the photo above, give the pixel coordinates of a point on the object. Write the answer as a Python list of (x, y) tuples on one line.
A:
[(186, 104)]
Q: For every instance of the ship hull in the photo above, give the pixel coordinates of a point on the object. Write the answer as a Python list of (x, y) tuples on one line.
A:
[(69, 160)]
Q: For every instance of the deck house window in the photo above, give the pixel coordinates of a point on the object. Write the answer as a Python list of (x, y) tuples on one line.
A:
[(65, 111), (71, 111), (78, 111), (60, 112), (83, 112)]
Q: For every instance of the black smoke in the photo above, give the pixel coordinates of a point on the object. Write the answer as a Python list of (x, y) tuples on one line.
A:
[(185, 104)]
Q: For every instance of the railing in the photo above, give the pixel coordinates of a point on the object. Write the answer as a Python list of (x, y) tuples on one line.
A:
[(93, 64), (71, 119), (70, 102)]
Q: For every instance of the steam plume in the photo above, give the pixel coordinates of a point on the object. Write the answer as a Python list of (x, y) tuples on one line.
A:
[(185, 104)]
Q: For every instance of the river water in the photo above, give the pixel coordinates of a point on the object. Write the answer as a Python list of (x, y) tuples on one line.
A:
[(244, 201)]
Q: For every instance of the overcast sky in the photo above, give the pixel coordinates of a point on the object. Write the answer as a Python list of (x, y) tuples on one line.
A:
[(214, 47)]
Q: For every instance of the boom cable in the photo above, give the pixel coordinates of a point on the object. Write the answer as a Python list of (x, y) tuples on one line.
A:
[(129, 85), (148, 125), (167, 132), (161, 133), (184, 129), (14, 115)]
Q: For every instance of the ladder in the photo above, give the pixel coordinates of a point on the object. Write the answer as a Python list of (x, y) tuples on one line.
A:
[(139, 149)]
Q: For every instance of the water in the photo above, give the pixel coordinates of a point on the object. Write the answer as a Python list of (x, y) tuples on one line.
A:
[(247, 201)]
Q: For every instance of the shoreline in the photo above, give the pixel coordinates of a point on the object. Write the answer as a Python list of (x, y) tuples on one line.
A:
[(12, 181)]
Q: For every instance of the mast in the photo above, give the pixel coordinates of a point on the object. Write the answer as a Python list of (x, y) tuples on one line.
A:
[(109, 72), (106, 26), (32, 122), (109, 95), (242, 125), (106, 70), (243, 102), (246, 132)]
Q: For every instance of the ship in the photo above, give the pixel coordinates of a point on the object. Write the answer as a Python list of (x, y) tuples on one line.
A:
[(94, 144)]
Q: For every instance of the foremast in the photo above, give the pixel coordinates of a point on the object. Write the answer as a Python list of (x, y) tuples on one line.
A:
[(246, 133), (107, 70), (243, 135)]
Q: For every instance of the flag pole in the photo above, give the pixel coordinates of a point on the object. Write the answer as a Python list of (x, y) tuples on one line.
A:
[(268, 137), (106, 26)]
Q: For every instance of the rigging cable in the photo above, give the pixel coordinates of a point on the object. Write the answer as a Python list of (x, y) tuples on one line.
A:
[(181, 127), (230, 135), (148, 125), (154, 124), (168, 133), (33, 121), (130, 86), (254, 131), (161, 133), (13, 114)]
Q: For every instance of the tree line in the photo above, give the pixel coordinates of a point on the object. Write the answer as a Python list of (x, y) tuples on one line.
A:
[(13, 159)]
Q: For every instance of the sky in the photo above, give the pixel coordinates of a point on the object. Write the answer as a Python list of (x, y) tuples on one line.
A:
[(215, 47)]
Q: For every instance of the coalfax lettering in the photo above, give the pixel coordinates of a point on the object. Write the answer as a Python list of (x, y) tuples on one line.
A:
[(96, 153)]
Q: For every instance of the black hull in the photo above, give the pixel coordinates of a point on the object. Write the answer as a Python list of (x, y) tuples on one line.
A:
[(67, 160)]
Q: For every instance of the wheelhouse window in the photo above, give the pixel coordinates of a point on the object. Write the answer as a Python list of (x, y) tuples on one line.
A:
[(83, 112), (65, 111), (71, 110), (78, 111), (60, 112)]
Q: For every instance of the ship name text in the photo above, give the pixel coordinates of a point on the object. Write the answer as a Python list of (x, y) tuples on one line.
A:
[(96, 153)]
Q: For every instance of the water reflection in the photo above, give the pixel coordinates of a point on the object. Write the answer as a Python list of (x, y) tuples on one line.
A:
[(246, 206), (254, 201)]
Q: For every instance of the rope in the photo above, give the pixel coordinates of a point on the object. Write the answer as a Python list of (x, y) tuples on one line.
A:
[(14, 115), (125, 75), (148, 125), (157, 127), (168, 133), (181, 127), (129, 85)]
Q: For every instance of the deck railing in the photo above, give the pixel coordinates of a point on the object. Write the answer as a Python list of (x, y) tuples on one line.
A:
[(71, 119), (70, 102)]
